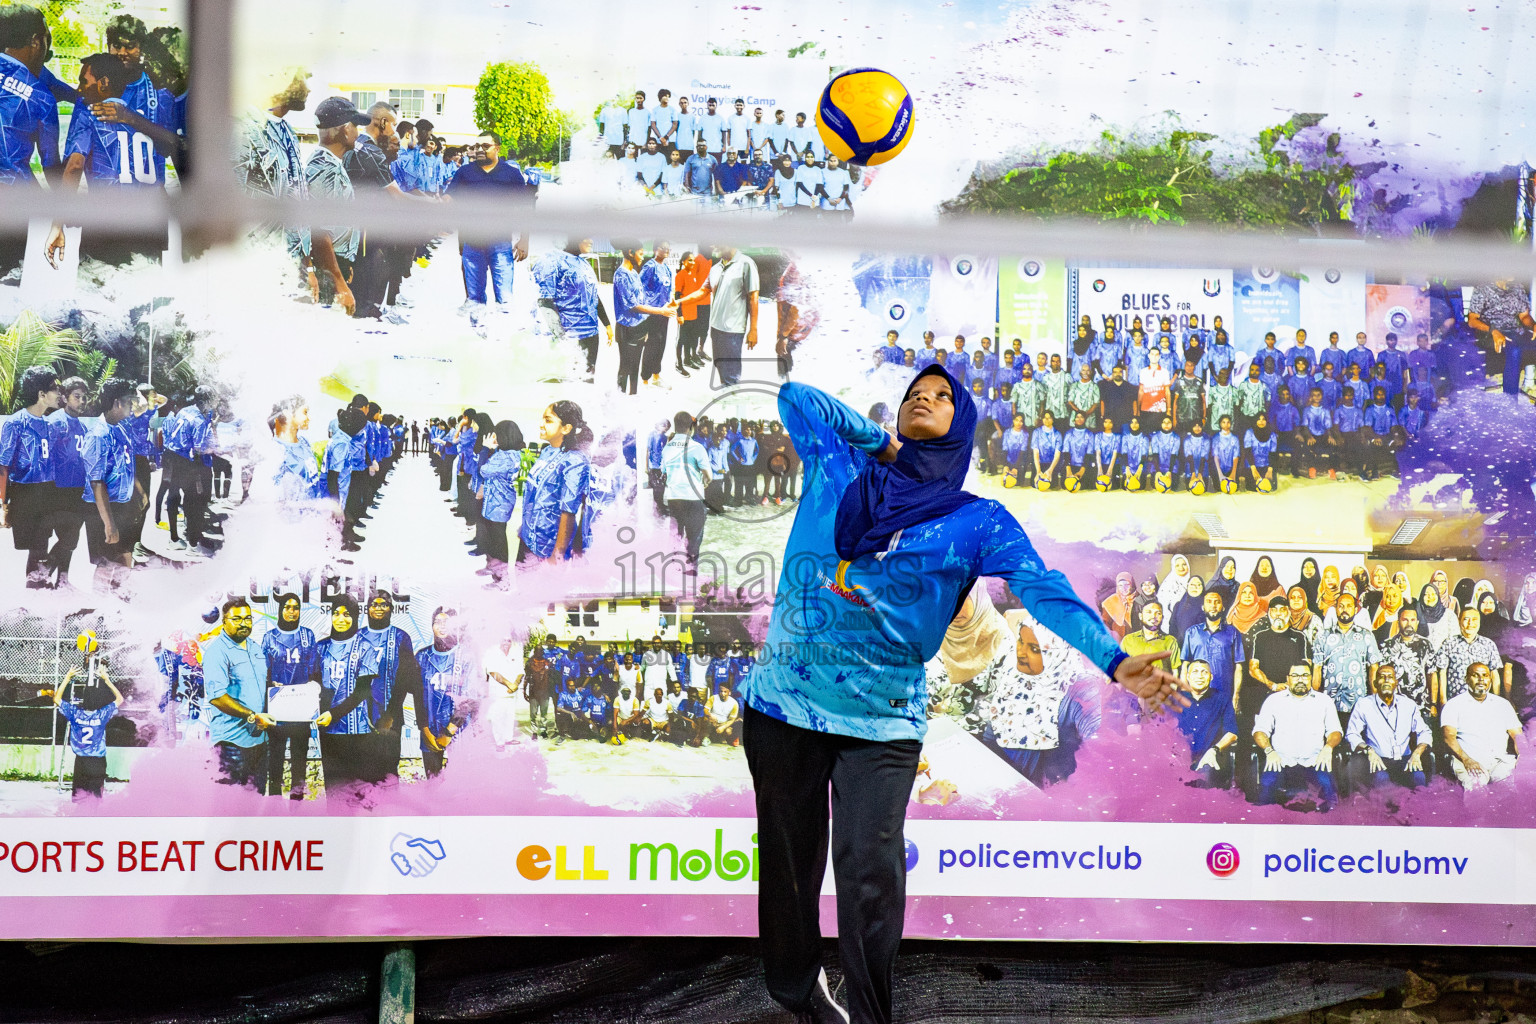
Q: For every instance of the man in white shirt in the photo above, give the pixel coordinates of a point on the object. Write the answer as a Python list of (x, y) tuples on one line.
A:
[(639, 121), (777, 136), (712, 130), (1297, 730), (612, 122), (732, 291), (1388, 737), (657, 669), (757, 131), (801, 136), (738, 126), (1479, 727), (628, 714), (687, 128), (658, 714), (629, 673), (724, 717), (664, 122)]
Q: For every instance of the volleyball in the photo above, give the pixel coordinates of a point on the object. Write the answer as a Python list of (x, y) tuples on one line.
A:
[(1133, 481), (865, 116), (1072, 483), (1228, 486), (1043, 483), (1266, 484), (1197, 485), (1102, 483), (1163, 482), (86, 641), (1010, 478)]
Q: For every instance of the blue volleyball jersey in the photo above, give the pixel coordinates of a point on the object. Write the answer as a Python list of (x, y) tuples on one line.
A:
[(26, 448), (66, 441), (26, 107), (106, 454), (340, 663), (88, 729), (848, 641), (115, 155), (292, 655), (445, 677)]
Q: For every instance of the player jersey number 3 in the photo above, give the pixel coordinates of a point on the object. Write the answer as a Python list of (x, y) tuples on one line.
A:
[(135, 158)]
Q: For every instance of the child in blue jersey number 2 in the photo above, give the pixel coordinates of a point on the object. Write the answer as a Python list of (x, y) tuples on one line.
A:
[(884, 548)]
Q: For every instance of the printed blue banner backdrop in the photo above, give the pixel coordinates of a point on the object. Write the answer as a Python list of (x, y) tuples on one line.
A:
[(963, 298), (1264, 299)]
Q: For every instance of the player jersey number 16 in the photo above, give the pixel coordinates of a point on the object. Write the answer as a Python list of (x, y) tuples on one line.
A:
[(135, 159)]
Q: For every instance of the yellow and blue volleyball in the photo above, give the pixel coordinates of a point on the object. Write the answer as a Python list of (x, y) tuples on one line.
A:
[(1228, 485), (1072, 483), (86, 641), (1042, 483), (1133, 481), (1163, 482), (1101, 482), (1266, 484), (865, 116), (1197, 485)]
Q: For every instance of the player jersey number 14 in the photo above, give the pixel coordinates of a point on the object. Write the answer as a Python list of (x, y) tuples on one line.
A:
[(135, 159)]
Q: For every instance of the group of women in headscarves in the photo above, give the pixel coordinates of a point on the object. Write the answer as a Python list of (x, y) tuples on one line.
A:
[(1380, 596)]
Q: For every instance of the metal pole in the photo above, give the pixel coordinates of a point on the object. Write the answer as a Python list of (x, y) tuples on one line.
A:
[(397, 986)]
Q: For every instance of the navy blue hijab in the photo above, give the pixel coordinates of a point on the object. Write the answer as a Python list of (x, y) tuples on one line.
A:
[(924, 483)]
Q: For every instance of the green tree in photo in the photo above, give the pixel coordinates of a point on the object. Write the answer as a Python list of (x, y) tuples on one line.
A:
[(1173, 176), (516, 102), (30, 341)]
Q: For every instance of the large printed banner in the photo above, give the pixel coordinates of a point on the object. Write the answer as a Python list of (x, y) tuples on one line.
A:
[(434, 604), (1186, 297), (1031, 303)]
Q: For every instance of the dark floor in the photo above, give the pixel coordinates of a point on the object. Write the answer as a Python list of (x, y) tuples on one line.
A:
[(707, 980)]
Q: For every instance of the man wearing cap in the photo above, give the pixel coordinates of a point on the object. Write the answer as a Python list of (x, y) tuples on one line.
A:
[(491, 176), (338, 121)]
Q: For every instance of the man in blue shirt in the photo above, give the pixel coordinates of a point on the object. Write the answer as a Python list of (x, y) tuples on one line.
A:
[(568, 295), (28, 114), (88, 731), (26, 471), (491, 175), (235, 683), (730, 174), (1216, 642), (111, 498), (656, 280), (699, 177), (632, 304), (66, 437), (1210, 725)]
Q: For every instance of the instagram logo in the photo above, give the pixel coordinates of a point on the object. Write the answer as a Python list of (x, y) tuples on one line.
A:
[(1222, 859)]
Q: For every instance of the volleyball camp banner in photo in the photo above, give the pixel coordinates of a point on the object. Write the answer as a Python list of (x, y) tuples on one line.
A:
[(1184, 296)]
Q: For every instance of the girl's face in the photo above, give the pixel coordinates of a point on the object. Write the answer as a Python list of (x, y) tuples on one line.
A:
[(1027, 653), (551, 430), (1350, 588), (928, 410), (1331, 576), (1487, 605), (1380, 577), (1135, 424), (1196, 586), (1229, 570), (291, 610), (1247, 594), (1431, 598), (341, 619), (1167, 424), (1149, 587), (1266, 568), (1308, 570), (1297, 598), (1180, 565)]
